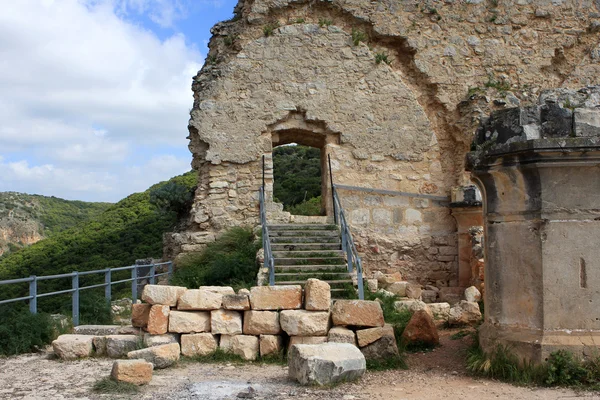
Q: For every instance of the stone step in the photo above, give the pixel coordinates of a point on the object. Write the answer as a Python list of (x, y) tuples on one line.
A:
[(302, 227), (323, 267), (333, 261), (302, 232), (304, 275), (307, 253), (302, 283), (305, 239), (304, 246)]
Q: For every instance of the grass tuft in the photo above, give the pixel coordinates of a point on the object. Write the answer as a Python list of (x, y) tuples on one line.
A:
[(382, 57), (389, 363), (109, 386), (358, 36), (268, 29)]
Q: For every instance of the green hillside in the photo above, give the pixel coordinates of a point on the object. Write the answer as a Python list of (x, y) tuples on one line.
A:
[(126, 231)]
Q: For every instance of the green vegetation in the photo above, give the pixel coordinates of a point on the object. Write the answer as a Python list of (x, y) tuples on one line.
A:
[(109, 386), (297, 178), (459, 335), (498, 85), (269, 28), (129, 230), (229, 261), (299, 21), (22, 332), (358, 36), (229, 40), (382, 57), (561, 369), (325, 22)]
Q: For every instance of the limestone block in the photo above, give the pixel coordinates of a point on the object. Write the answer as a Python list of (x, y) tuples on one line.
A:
[(270, 344), (198, 344), (372, 285), (413, 291), (304, 323), (306, 340), (245, 346), (160, 294), (317, 295), (200, 299), (381, 349), (72, 347), (99, 346), (387, 279), (140, 314), (240, 302), (398, 288), (225, 342), (421, 330), (129, 330), (138, 372), (586, 122), (464, 313), (218, 289), (357, 313), (367, 336), (411, 305), (339, 334), (161, 356), (261, 322), (472, 294), (189, 321), (158, 320), (325, 364), (157, 340), (450, 295), (244, 291), (117, 346), (440, 311), (429, 296), (276, 297), (225, 322), (96, 330)]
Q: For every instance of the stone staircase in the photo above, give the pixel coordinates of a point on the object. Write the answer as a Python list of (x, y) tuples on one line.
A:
[(303, 251)]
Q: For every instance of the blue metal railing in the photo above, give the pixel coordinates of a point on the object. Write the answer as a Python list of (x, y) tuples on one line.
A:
[(269, 262), (352, 257), (75, 288)]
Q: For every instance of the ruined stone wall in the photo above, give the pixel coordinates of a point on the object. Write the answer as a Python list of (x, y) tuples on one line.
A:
[(401, 124)]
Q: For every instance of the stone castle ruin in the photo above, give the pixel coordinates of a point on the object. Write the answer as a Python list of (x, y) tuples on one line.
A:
[(392, 93)]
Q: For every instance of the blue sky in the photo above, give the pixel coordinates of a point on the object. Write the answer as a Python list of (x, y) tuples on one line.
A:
[(95, 94)]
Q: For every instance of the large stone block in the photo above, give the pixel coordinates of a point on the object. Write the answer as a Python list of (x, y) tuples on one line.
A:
[(317, 295), (398, 288), (464, 313), (245, 346), (200, 299), (357, 313), (411, 305), (421, 330), (225, 322), (586, 122), (189, 321), (117, 346), (304, 323), (224, 290), (158, 320), (138, 372), (158, 340), (225, 342), (72, 347), (96, 330), (161, 356), (270, 344), (472, 294), (339, 334), (276, 297), (140, 314), (160, 294), (325, 364), (306, 340), (440, 311), (382, 349), (367, 336), (99, 346), (198, 344), (238, 302), (261, 322)]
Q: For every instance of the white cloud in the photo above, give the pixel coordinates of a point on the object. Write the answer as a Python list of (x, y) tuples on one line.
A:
[(82, 86)]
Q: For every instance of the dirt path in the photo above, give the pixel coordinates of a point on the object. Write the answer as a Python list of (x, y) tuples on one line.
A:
[(438, 374)]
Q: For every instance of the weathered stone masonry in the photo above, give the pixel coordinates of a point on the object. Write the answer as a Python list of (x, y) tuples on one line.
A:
[(402, 127)]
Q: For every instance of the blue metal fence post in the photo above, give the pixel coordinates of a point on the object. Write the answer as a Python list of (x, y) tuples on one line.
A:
[(75, 298), (152, 274), (361, 290), (134, 282), (33, 294), (170, 274), (108, 287)]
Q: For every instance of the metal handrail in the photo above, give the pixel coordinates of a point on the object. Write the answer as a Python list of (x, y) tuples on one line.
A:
[(348, 246), (75, 288), (269, 262)]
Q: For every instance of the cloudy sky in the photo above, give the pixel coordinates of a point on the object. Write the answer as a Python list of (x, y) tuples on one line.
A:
[(95, 94)]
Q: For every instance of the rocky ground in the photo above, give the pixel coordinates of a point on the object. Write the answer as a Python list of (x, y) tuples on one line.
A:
[(436, 374)]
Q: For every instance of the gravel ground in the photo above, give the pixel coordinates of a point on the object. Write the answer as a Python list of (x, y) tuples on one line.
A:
[(438, 374)]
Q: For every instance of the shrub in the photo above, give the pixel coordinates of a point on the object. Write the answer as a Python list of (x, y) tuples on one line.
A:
[(229, 261), (268, 29), (109, 386), (308, 207), (358, 36), (325, 22), (382, 57), (173, 196), (22, 332)]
